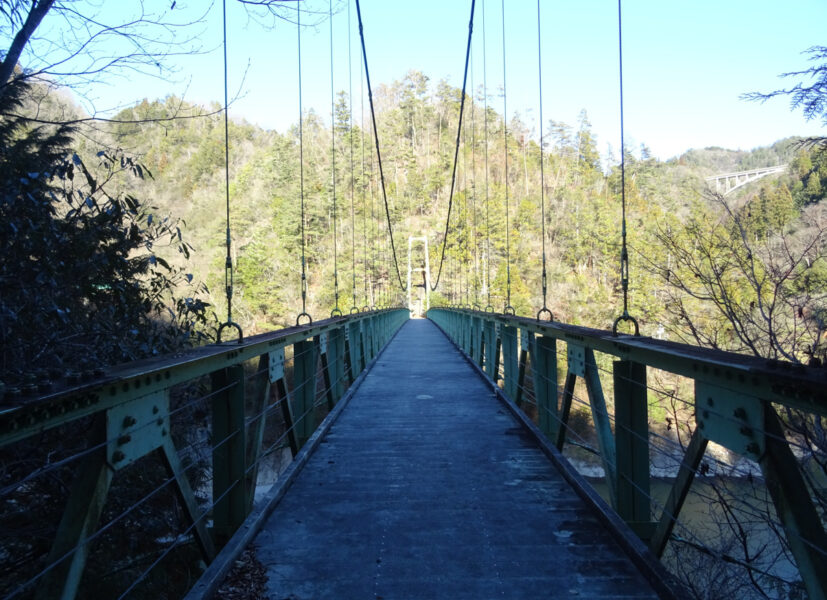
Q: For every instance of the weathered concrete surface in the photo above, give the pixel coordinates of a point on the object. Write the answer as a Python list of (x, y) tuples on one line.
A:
[(426, 487)]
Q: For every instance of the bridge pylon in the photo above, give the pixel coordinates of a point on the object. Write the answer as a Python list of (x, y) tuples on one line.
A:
[(420, 302)]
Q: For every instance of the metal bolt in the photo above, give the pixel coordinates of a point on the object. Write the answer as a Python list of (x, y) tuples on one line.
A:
[(753, 448), (154, 410), (118, 456), (159, 422), (747, 431), (129, 421), (163, 432), (124, 439), (706, 414), (740, 413), (710, 401), (701, 424)]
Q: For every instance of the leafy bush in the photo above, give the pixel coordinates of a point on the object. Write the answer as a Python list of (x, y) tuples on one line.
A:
[(82, 284)]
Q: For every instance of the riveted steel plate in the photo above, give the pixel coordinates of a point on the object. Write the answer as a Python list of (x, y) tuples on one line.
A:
[(276, 364), (577, 359), (136, 428), (736, 421)]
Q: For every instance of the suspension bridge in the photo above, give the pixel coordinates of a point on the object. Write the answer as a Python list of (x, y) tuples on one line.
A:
[(375, 455)]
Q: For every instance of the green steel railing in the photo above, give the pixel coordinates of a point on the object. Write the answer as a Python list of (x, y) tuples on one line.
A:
[(132, 416), (736, 402)]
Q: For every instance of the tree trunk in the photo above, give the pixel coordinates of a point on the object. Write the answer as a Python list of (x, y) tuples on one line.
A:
[(35, 16)]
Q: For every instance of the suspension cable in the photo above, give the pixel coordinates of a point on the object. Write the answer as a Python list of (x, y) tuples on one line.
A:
[(489, 307), (624, 254), (228, 264), (456, 149), (353, 307), (304, 312), (464, 223), (336, 310), (378, 152), (545, 309), (365, 183), (509, 310), (474, 190)]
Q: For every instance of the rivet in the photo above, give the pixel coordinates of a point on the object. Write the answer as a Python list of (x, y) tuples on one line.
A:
[(740, 413), (124, 439), (118, 456), (129, 421), (710, 401), (753, 448)]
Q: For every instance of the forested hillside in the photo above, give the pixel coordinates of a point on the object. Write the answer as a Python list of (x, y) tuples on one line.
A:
[(765, 239)]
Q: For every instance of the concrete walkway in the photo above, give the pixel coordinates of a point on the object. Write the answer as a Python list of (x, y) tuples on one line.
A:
[(426, 487)]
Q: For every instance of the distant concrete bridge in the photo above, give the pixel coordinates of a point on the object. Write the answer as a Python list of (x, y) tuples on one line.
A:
[(726, 183)]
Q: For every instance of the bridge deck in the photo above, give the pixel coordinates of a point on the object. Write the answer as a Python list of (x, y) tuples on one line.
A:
[(427, 487)]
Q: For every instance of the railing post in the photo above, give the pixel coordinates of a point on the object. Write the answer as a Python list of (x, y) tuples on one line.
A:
[(632, 445), (477, 345), (354, 340), (544, 369), (509, 347), (489, 333), (229, 450), (321, 348), (336, 361), (526, 340), (304, 389)]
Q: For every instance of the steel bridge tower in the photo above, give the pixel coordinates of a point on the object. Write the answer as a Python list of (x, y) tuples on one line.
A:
[(419, 305)]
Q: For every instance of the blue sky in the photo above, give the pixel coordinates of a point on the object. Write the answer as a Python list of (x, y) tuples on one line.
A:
[(685, 64)]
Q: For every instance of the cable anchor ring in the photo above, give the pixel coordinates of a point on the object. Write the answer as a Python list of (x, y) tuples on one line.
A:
[(234, 325)]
